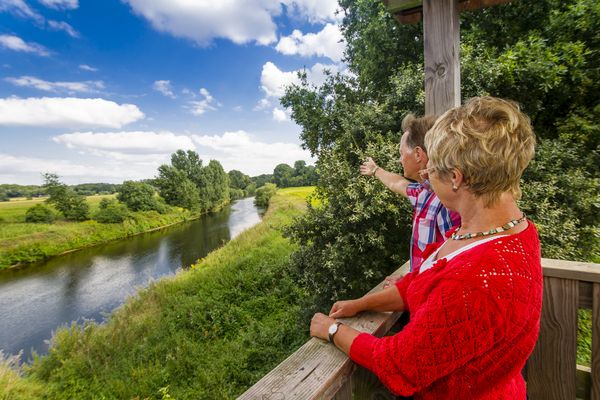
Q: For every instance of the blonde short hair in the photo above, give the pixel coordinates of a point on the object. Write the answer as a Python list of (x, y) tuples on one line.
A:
[(489, 140)]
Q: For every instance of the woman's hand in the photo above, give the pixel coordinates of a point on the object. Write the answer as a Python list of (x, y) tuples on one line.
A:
[(368, 167), (345, 308), (319, 326)]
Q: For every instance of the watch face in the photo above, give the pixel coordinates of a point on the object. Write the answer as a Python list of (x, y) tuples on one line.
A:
[(333, 329)]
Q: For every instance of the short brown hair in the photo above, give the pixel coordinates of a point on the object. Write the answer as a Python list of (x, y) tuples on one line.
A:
[(417, 128), (489, 140)]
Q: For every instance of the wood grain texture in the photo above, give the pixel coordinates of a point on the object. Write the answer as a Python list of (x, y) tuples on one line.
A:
[(318, 370), (596, 343), (551, 369), (442, 61), (582, 271)]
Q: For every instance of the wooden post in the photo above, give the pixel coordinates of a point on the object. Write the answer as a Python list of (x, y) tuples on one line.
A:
[(596, 343), (551, 367), (441, 34)]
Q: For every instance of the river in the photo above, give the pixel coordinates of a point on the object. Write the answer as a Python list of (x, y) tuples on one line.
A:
[(90, 283)]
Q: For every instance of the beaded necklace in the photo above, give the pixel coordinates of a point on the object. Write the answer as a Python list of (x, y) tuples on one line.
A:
[(505, 227)]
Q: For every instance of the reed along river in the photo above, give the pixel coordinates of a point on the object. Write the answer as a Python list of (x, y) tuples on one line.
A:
[(90, 283)]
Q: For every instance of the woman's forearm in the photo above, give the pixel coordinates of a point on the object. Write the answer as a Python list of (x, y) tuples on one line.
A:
[(385, 300)]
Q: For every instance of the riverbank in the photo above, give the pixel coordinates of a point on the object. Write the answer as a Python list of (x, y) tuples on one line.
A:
[(207, 333), (24, 243)]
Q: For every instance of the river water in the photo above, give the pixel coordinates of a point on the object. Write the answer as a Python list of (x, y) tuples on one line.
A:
[(90, 283)]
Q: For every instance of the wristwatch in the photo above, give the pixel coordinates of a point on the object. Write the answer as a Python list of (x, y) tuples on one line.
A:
[(333, 329)]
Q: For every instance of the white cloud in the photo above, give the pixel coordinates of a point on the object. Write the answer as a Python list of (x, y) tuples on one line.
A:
[(274, 81), (86, 67), (126, 143), (17, 44), (31, 81), (67, 112), (21, 9), (207, 103), (240, 150), (327, 43), (279, 115), (314, 10), (61, 4), (63, 26), (164, 87), (240, 21), (27, 170)]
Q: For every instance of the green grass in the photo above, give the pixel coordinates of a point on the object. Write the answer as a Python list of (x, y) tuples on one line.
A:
[(22, 243), (207, 333), (14, 210)]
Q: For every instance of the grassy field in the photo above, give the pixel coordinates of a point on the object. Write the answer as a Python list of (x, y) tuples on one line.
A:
[(22, 243), (207, 333)]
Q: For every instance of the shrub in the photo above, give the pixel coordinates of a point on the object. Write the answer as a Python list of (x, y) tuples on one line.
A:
[(111, 212), (39, 213), (264, 194)]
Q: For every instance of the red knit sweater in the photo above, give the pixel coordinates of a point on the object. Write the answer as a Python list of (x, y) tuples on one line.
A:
[(474, 320)]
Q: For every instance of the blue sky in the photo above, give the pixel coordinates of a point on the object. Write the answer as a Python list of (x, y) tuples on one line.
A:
[(106, 90)]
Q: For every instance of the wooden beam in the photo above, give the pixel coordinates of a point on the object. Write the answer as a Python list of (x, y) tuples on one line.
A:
[(411, 11), (596, 343), (442, 61)]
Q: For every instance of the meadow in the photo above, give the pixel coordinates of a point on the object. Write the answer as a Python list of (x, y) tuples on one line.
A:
[(207, 333), (23, 243)]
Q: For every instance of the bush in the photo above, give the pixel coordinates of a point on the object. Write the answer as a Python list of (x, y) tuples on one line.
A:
[(78, 209), (139, 196), (39, 213), (264, 194), (111, 212)]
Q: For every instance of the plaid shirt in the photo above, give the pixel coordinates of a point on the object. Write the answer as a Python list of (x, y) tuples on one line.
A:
[(431, 220)]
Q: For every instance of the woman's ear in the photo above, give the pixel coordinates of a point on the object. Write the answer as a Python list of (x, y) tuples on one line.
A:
[(457, 178)]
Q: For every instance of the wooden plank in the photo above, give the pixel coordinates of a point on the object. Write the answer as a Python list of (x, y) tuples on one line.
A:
[(596, 344), (395, 6), (584, 382), (582, 271), (345, 392), (586, 295), (442, 62), (552, 365), (411, 11), (318, 370)]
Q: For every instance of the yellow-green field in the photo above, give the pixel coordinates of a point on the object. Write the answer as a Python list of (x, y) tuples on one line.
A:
[(14, 210), (23, 243)]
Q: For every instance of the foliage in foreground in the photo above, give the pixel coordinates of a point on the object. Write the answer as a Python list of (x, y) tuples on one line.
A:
[(207, 333)]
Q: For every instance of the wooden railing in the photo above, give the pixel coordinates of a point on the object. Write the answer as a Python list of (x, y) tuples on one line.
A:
[(318, 370)]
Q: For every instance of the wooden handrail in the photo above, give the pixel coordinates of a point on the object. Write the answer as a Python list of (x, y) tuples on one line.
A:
[(320, 371)]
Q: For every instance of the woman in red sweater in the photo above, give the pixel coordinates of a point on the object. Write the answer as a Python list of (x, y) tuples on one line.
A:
[(475, 302)]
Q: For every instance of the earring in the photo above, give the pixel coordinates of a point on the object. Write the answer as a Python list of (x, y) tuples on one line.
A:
[(454, 187)]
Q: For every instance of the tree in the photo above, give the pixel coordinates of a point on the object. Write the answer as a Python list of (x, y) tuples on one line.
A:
[(39, 213), (214, 186), (71, 205), (264, 194), (176, 188), (543, 54), (282, 175), (111, 212), (138, 196)]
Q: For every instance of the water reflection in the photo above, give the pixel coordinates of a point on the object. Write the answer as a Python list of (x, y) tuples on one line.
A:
[(89, 283)]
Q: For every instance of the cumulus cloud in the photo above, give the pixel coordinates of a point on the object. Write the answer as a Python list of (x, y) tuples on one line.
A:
[(63, 26), (133, 143), (86, 67), (33, 82), (274, 81), (314, 10), (207, 103), (235, 149), (61, 4), (326, 43), (202, 21), (15, 43), (279, 115), (164, 87), (67, 112), (26, 170)]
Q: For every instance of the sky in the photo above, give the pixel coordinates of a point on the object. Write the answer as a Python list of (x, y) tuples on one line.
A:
[(107, 90)]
